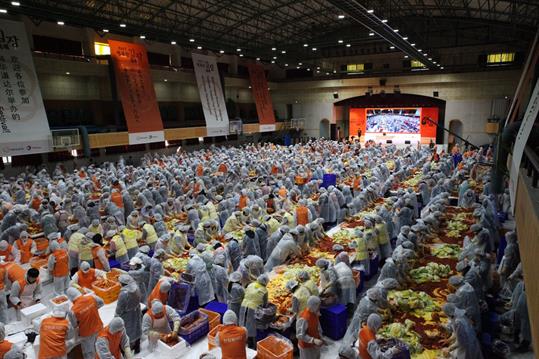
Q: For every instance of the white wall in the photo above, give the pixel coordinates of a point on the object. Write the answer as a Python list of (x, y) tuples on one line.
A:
[(468, 96)]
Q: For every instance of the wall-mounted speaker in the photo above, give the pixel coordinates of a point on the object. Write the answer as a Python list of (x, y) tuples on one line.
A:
[(407, 142), (383, 82), (435, 94), (335, 95), (389, 141)]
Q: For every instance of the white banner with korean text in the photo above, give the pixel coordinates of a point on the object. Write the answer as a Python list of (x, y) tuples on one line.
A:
[(211, 95), (24, 128)]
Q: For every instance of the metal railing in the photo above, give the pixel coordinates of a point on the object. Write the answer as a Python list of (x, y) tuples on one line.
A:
[(530, 161)]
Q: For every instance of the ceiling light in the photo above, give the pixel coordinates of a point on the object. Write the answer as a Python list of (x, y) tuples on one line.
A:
[(123, 25), (61, 23), (165, 80), (384, 21), (318, 67), (286, 64), (317, 72), (238, 50), (348, 45), (396, 30), (199, 47), (371, 33), (442, 68), (419, 50), (334, 71), (405, 38), (191, 40), (434, 62), (105, 30), (370, 11), (258, 59), (340, 17), (221, 51), (272, 61), (283, 52), (298, 67), (327, 73), (405, 56), (275, 57), (308, 69), (305, 45), (142, 37), (430, 58), (413, 44), (426, 55), (273, 49), (241, 55), (392, 47), (340, 41), (314, 49), (173, 42), (299, 63), (15, 3), (68, 73), (249, 86)]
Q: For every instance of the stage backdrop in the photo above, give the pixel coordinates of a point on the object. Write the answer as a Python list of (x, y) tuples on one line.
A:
[(264, 107), (137, 93), (427, 129), (24, 128)]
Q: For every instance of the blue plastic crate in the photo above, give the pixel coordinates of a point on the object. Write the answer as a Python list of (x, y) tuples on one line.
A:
[(217, 307), (194, 334), (193, 303), (179, 297), (261, 334), (113, 263), (333, 321)]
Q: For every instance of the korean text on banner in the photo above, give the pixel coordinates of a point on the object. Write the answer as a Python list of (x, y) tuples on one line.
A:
[(264, 107), (24, 128), (137, 93), (211, 95), (520, 142)]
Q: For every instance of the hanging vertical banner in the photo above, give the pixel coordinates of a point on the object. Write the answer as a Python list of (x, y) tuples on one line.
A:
[(211, 95), (137, 93), (264, 107), (24, 128), (520, 143)]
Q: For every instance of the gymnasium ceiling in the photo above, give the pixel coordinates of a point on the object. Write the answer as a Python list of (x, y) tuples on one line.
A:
[(331, 27)]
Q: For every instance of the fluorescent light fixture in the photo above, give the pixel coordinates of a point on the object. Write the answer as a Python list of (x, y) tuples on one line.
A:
[(275, 57), (305, 45), (283, 52), (371, 33), (272, 61), (249, 86), (199, 47), (317, 71), (318, 67), (241, 55), (298, 67), (286, 64), (340, 17), (413, 44), (68, 73), (334, 71), (405, 38), (327, 73), (273, 49), (221, 51), (419, 50), (165, 80), (314, 49), (61, 23), (370, 11), (258, 59), (348, 45), (299, 63), (384, 21), (392, 47), (15, 3), (105, 30), (308, 69), (396, 30), (434, 62), (173, 42), (430, 58), (191, 40), (442, 68), (340, 41), (238, 50), (405, 56), (123, 25), (142, 37)]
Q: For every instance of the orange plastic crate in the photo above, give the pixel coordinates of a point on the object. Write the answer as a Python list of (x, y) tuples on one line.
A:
[(211, 337), (214, 318), (108, 295), (357, 277), (274, 348)]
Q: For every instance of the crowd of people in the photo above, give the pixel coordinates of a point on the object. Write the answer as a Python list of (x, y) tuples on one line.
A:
[(279, 199)]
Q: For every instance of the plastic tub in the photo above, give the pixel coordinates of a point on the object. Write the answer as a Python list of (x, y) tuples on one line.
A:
[(179, 296), (108, 295), (191, 333), (64, 305), (217, 307), (31, 312), (274, 347), (211, 336), (172, 352), (332, 319), (214, 319)]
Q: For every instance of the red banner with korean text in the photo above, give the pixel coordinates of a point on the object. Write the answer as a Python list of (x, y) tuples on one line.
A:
[(137, 93), (264, 106)]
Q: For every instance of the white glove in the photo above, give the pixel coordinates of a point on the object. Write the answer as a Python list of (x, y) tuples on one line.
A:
[(318, 342), (128, 353)]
